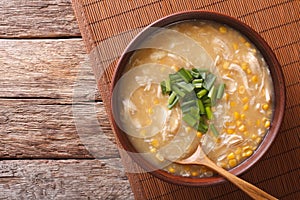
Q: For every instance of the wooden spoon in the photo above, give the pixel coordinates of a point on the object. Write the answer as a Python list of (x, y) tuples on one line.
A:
[(199, 158)]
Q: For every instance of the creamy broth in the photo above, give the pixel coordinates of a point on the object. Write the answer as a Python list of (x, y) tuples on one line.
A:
[(242, 116)]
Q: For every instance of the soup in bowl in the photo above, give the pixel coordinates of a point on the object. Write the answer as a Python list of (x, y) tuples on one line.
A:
[(197, 78)]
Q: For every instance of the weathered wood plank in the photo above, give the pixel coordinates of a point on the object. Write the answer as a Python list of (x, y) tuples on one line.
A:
[(46, 129), (37, 19), (44, 68), (63, 179)]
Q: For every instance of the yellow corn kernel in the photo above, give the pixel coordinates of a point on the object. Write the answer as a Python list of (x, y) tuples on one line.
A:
[(244, 66), (243, 116), (222, 164), (249, 71), (195, 173), (226, 96), (242, 128), (199, 134), (247, 153), (253, 50), (254, 79), (231, 156), (226, 65), (187, 168), (236, 115), (232, 103), (246, 107), (155, 143), (264, 119), (232, 162), (171, 170), (246, 134), (267, 124), (247, 44), (242, 89), (258, 140), (223, 29), (238, 151), (245, 100), (238, 123), (235, 46), (254, 136), (257, 122), (242, 39), (150, 111), (153, 150), (265, 106), (175, 68), (230, 131), (246, 148), (156, 101)]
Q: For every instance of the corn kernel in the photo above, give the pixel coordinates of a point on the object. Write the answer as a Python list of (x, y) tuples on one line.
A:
[(230, 156), (249, 71), (267, 124), (258, 140), (226, 96), (153, 150), (223, 29), (155, 143), (199, 134), (188, 129), (171, 170), (238, 123), (265, 106), (156, 101), (254, 79), (226, 65), (235, 46), (236, 115), (257, 122), (242, 128), (232, 103), (175, 68), (246, 107), (244, 66), (246, 148), (230, 131), (150, 111), (243, 116), (247, 44), (195, 173), (254, 136), (245, 100), (247, 153), (246, 133), (232, 162), (238, 151), (264, 119), (222, 164), (242, 89), (242, 39)]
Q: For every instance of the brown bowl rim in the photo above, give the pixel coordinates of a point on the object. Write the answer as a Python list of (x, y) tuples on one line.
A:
[(278, 84)]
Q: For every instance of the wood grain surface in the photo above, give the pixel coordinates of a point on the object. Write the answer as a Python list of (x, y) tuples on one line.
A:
[(51, 146)]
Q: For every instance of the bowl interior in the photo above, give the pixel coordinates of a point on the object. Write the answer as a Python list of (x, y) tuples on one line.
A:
[(275, 71)]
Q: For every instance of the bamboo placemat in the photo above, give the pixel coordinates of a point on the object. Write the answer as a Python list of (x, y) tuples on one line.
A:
[(277, 21)]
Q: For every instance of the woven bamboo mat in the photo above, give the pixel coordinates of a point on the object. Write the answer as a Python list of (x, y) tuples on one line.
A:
[(277, 21)]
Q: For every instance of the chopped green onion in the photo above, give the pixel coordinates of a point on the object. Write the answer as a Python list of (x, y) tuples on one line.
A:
[(201, 93), (221, 89), (173, 99), (186, 86), (185, 75), (213, 95), (177, 90), (174, 78), (168, 86), (214, 130), (188, 118), (208, 112), (195, 73), (163, 87), (209, 81), (201, 107)]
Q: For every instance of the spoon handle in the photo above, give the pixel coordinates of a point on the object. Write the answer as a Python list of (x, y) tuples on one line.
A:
[(248, 188)]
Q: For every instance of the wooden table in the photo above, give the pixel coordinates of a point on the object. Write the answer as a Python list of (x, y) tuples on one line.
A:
[(50, 111), (41, 153)]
